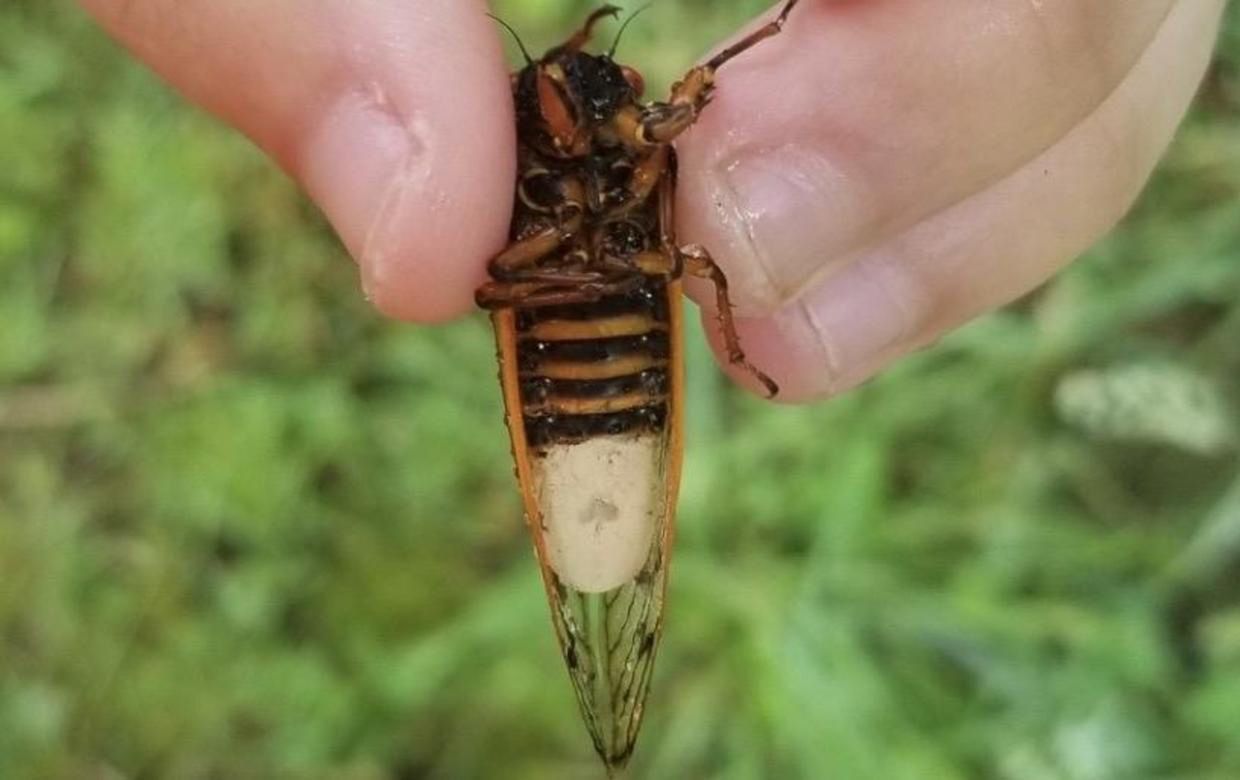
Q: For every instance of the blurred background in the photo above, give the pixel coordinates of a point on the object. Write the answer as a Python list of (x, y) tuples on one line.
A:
[(248, 529)]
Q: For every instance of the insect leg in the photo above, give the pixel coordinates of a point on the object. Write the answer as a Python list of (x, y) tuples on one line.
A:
[(667, 214), (636, 192), (524, 254), (647, 175), (562, 292), (582, 37), (699, 263), (756, 37), (662, 122), (566, 276), (661, 264)]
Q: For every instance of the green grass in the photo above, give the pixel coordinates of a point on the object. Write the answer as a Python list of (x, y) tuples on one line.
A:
[(250, 530)]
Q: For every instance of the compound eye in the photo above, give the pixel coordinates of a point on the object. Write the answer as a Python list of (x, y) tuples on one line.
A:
[(635, 80)]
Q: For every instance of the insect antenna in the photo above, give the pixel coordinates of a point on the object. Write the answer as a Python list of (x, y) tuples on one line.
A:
[(524, 51), (611, 54)]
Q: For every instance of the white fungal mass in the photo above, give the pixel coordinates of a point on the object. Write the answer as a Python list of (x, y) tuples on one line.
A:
[(601, 500)]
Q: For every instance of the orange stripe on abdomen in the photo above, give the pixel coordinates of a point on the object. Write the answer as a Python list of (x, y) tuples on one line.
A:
[(585, 330), (598, 369)]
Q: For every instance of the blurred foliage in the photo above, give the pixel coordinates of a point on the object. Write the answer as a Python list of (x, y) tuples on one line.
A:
[(249, 530)]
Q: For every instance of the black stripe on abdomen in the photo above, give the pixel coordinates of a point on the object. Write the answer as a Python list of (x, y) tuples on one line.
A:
[(571, 429), (575, 386)]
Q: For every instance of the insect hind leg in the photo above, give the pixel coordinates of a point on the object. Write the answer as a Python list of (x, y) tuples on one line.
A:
[(698, 262), (552, 291)]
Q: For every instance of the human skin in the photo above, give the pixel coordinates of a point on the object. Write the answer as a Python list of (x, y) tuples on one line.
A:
[(879, 174)]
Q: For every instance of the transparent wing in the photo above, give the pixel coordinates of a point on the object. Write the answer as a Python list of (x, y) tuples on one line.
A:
[(608, 636), (602, 517)]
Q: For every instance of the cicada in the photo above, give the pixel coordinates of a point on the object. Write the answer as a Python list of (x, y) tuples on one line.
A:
[(586, 306)]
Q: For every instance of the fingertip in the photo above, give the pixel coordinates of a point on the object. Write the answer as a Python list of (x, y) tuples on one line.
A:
[(415, 175), (840, 332), (418, 208), (395, 117)]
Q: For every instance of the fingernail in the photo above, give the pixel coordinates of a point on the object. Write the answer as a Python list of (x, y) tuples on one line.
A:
[(863, 316), (361, 166), (797, 213)]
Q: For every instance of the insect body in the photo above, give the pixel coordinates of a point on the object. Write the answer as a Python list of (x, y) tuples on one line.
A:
[(586, 304)]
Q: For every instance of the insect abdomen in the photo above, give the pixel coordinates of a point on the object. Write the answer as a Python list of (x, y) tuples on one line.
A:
[(595, 369)]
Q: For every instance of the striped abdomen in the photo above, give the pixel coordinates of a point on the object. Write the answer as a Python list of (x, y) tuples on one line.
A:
[(595, 369)]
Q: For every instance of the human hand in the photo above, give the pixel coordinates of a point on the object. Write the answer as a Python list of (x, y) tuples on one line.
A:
[(878, 174)]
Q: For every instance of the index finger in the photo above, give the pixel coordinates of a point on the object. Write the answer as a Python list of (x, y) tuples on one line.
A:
[(395, 117)]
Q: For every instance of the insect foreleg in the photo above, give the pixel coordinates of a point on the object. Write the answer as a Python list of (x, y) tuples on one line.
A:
[(698, 262), (582, 36), (658, 124), (753, 39), (663, 122)]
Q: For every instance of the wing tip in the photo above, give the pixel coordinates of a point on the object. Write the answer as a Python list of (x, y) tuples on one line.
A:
[(617, 764)]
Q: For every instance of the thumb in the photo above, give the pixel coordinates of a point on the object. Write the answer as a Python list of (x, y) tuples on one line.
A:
[(395, 118), (882, 171)]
